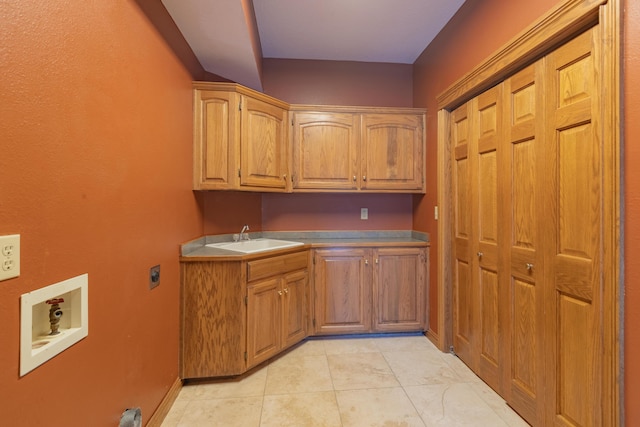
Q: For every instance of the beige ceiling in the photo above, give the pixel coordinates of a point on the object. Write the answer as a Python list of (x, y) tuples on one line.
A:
[(220, 31)]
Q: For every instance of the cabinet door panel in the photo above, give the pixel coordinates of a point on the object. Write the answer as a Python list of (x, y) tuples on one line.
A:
[(325, 147), (216, 122), (398, 289), (294, 321), (264, 317), (263, 146), (342, 291), (392, 147)]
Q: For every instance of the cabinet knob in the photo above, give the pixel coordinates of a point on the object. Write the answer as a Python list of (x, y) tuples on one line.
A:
[(376, 260), (366, 262), (529, 266), (286, 290), (479, 254), (364, 177), (354, 178), (280, 293), (284, 176)]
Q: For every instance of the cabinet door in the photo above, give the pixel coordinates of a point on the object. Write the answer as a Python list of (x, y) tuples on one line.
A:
[(263, 145), (264, 317), (399, 289), (325, 147), (216, 130), (392, 152), (342, 291), (294, 319)]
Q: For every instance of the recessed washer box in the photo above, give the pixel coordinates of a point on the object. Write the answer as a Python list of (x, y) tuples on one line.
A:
[(37, 345)]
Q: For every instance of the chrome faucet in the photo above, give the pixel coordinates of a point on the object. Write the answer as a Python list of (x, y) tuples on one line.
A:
[(243, 235)]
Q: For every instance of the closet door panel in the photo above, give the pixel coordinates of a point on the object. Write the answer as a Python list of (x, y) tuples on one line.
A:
[(574, 256), (487, 113), (524, 218), (464, 300)]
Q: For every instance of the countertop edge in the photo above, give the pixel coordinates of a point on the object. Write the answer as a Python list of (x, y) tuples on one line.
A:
[(195, 250)]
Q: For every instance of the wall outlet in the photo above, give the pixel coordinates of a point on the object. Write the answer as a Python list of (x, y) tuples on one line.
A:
[(9, 256), (364, 213)]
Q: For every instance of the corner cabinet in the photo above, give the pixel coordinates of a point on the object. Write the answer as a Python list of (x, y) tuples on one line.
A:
[(362, 290), (358, 149), (236, 314), (240, 139)]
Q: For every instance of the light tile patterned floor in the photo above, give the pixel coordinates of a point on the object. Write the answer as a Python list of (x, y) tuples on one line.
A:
[(355, 381)]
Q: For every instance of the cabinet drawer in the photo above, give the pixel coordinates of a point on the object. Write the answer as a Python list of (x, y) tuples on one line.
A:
[(266, 267)]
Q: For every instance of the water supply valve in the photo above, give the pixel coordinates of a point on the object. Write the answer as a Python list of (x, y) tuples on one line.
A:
[(55, 313)]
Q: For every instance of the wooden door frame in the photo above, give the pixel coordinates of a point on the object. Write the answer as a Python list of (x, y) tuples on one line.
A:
[(565, 21)]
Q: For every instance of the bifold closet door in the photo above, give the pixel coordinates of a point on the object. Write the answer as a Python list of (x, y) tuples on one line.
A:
[(574, 255), (524, 219), (486, 110), (478, 334), (464, 299)]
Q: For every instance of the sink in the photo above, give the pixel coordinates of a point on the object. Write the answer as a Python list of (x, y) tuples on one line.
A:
[(256, 245)]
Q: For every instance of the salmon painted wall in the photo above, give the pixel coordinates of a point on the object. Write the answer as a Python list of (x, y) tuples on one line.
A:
[(479, 29), (294, 212), (96, 128), (631, 214), (226, 212), (337, 83)]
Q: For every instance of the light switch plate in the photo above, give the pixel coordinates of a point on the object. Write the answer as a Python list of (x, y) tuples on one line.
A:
[(9, 256), (364, 213)]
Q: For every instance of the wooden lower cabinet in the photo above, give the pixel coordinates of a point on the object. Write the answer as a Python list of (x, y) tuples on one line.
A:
[(237, 314), (362, 290)]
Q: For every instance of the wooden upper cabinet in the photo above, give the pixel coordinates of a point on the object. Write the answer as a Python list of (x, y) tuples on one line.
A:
[(358, 149), (240, 139), (392, 152), (325, 150)]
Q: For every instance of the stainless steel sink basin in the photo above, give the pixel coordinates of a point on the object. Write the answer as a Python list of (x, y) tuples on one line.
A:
[(256, 245)]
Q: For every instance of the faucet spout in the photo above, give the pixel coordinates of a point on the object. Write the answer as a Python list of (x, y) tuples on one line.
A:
[(243, 235)]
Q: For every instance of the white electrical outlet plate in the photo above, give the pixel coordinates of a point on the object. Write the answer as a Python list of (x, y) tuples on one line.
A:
[(364, 213), (9, 256)]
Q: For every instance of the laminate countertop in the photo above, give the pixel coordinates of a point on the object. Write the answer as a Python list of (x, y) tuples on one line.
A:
[(196, 250)]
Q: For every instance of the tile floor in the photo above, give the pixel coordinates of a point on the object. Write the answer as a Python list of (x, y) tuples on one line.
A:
[(354, 381)]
